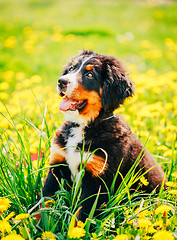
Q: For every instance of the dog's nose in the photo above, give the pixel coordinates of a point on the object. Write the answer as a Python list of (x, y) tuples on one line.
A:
[(62, 83)]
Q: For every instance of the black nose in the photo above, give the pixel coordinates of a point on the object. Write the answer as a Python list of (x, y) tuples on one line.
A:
[(62, 83)]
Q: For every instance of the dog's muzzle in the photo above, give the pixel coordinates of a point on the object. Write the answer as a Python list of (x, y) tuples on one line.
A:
[(62, 84)]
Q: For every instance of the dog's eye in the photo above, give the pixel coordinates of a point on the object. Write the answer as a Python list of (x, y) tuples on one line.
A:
[(71, 69), (90, 75)]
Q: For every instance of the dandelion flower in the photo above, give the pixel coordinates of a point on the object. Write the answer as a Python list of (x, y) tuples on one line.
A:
[(143, 212), (10, 216), (121, 237), (94, 236), (5, 226), (144, 181), (4, 86), (80, 224), (76, 232), (12, 237), (48, 236), (131, 222), (174, 174), (173, 192), (163, 235), (151, 230), (49, 203), (10, 42), (4, 204), (22, 216), (163, 208), (144, 223), (170, 184)]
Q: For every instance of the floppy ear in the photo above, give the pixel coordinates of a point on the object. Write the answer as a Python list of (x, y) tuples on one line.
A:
[(117, 86)]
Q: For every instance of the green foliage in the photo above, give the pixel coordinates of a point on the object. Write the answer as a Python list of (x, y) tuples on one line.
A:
[(37, 38)]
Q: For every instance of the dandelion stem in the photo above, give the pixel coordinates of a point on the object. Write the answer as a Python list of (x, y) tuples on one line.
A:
[(29, 237)]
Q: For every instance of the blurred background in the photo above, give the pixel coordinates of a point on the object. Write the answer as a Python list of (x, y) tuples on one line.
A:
[(38, 37)]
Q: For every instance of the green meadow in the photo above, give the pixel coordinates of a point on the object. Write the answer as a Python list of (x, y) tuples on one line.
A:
[(37, 38)]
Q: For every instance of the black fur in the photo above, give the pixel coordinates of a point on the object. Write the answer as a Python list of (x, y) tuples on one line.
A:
[(117, 86)]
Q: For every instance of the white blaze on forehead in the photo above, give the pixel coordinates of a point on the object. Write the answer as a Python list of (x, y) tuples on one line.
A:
[(85, 60), (73, 77)]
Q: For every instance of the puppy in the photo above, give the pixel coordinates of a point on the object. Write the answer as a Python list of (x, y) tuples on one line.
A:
[(92, 87)]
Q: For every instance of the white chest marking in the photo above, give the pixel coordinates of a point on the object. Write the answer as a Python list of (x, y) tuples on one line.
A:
[(73, 156)]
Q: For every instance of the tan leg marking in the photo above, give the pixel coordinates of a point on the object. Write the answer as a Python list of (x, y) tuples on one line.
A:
[(97, 165), (57, 152)]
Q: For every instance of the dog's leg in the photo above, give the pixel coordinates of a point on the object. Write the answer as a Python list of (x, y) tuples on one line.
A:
[(57, 157), (53, 179), (90, 187), (92, 184), (155, 176)]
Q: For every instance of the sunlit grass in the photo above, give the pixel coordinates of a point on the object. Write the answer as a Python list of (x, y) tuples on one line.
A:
[(37, 38), (21, 183)]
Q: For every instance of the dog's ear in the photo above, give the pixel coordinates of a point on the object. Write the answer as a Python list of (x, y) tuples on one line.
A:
[(116, 86)]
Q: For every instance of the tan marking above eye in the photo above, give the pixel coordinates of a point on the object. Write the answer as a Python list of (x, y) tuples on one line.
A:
[(75, 63), (89, 67)]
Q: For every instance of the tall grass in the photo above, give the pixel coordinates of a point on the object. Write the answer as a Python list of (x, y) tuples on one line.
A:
[(22, 183)]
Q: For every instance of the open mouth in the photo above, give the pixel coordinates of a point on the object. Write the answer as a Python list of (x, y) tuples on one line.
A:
[(68, 104)]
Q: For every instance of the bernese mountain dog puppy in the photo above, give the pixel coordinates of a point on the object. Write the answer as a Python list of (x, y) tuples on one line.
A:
[(92, 87)]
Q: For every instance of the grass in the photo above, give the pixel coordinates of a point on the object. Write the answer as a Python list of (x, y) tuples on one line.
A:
[(37, 39), (122, 213)]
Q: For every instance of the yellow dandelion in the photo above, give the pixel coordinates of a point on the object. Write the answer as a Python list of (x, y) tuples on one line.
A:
[(163, 208), (158, 14), (143, 212), (4, 86), (10, 216), (94, 236), (173, 192), (4, 204), (151, 230), (80, 224), (77, 232), (147, 237), (170, 184), (48, 236), (144, 181), (12, 237), (49, 203), (5, 226), (20, 75), (10, 42), (131, 222), (163, 235), (4, 95), (174, 174), (22, 216), (121, 237), (144, 223)]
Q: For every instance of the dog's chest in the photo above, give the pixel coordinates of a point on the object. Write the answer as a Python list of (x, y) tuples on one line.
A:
[(73, 156)]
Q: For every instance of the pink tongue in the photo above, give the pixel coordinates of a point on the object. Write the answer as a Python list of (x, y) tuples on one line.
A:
[(67, 104)]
